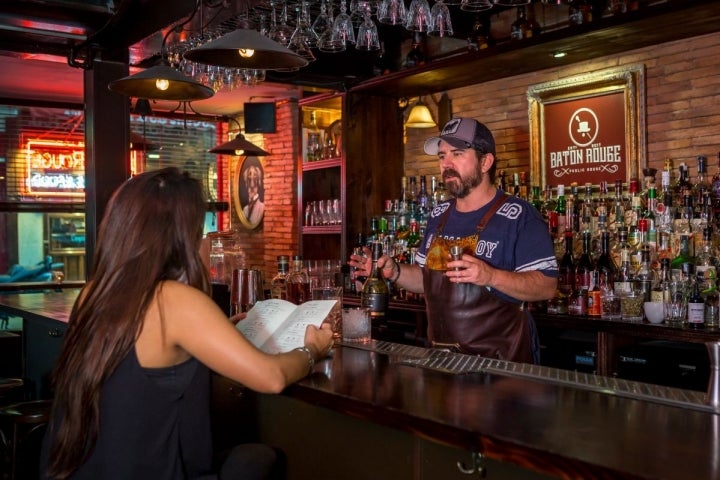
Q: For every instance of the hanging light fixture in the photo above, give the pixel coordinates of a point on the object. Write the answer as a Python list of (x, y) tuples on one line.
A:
[(240, 147), (246, 48), (420, 117), (161, 82)]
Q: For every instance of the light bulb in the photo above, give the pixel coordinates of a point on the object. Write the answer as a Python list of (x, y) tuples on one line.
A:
[(246, 52), (239, 152), (162, 84)]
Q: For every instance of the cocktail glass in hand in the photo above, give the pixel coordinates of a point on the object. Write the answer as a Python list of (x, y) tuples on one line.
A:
[(356, 326), (334, 318)]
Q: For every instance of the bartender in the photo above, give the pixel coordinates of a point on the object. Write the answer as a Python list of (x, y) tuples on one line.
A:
[(477, 303)]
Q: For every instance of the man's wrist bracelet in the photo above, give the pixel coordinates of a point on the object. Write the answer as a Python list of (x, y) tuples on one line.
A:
[(311, 359), (397, 274)]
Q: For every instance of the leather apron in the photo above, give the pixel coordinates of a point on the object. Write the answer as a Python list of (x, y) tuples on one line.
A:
[(469, 318)]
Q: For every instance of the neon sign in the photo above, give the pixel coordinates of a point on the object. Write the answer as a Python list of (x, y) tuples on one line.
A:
[(54, 168)]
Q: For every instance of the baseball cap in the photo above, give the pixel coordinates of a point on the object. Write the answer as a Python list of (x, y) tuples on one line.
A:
[(463, 133)]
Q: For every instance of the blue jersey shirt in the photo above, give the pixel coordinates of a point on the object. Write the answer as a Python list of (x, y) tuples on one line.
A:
[(515, 239)]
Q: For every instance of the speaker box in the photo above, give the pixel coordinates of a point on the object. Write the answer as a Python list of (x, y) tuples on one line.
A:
[(260, 117)]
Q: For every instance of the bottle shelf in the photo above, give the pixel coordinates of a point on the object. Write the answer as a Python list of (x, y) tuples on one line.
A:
[(322, 229), (320, 164)]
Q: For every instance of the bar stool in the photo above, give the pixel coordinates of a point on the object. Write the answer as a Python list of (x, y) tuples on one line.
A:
[(21, 424), (11, 389)]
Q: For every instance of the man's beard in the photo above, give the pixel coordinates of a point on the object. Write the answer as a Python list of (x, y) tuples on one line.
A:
[(458, 186)]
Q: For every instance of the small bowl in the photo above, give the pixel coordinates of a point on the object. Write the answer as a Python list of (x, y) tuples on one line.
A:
[(653, 312)]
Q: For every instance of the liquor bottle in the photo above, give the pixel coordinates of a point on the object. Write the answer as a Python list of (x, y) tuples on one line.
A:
[(645, 279), (411, 194), (441, 193), (624, 279), (423, 198), (403, 207), (523, 192), (705, 260), (594, 301), (298, 282), (278, 284), (683, 257), (375, 293), (548, 204), (620, 246), (584, 266), (695, 303), (682, 185), (535, 200), (560, 205), (587, 210), (566, 268), (358, 280), (520, 28), (701, 186), (433, 190), (684, 222), (716, 185), (606, 268), (712, 302), (480, 38), (617, 216), (656, 294)]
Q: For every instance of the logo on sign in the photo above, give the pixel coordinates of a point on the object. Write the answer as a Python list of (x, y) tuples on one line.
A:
[(583, 127)]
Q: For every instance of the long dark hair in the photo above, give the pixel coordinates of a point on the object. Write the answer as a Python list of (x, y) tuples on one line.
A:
[(151, 232)]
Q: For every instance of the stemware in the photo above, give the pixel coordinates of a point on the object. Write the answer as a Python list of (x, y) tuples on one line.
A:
[(304, 37), (441, 21), (327, 43), (282, 32), (343, 29), (418, 16), (368, 38), (475, 5), (392, 12), (511, 3)]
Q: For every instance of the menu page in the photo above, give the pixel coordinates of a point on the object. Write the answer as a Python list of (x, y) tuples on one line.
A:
[(276, 326)]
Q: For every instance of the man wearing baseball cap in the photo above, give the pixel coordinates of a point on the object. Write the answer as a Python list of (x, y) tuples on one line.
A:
[(477, 303)]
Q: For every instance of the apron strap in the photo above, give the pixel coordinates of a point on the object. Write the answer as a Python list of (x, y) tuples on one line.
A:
[(497, 203)]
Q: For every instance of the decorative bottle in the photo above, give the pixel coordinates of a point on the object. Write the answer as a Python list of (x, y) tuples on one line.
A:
[(278, 284)]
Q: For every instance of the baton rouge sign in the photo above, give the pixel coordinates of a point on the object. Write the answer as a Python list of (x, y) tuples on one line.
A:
[(585, 140), (54, 168)]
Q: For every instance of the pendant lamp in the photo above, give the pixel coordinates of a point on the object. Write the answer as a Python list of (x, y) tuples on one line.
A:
[(420, 117), (246, 48), (239, 146), (161, 82)]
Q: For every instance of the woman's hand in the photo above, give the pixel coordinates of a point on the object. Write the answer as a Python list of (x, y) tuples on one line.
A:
[(237, 317), (319, 340)]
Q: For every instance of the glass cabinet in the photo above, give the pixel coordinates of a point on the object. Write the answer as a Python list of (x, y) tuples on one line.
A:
[(321, 178)]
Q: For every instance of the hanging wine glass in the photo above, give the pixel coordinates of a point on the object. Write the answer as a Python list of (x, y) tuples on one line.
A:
[(475, 5), (418, 17), (282, 32), (368, 38), (343, 29), (441, 21), (392, 12), (304, 37), (327, 43)]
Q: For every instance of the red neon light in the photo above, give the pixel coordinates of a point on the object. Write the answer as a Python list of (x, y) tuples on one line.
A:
[(54, 168)]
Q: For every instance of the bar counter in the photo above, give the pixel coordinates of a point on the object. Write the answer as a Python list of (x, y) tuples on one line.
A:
[(371, 413)]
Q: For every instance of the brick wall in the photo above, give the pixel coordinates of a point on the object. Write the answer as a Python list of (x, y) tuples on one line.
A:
[(278, 232), (682, 106)]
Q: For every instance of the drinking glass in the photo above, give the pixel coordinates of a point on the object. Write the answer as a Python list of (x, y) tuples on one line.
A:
[(418, 16), (334, 318), (356, 326), (368, 38), (675, 303), (392, 12), (323, 22), (441, 21), (475, 5), (631, 306), (282, 32), (245, 290)]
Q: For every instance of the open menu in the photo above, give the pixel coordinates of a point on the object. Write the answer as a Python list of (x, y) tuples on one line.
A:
[(276, 326)]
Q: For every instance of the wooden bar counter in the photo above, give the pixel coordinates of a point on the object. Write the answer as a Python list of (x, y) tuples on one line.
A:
[(376, 412)]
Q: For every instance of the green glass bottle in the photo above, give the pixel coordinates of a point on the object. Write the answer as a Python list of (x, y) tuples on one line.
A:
[(375, 293)]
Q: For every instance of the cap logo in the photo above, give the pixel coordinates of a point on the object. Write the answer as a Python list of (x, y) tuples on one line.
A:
[(451, 127)]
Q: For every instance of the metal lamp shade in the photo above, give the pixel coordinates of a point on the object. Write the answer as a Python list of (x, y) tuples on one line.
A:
[(420, 117), (239, 146), (225, 52), (144, 85)]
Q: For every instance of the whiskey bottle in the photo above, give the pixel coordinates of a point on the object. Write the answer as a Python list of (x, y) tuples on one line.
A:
[(278, 284), (375, 293), (298, 283), (520, 28)]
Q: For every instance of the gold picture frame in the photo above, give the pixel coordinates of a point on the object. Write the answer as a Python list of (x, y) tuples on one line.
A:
[(249, 191), (588, 127)]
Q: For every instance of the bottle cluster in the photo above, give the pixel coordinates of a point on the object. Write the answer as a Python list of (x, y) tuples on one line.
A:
[(656, 242)]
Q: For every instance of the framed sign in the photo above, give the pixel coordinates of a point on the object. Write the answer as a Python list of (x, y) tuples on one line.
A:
[(249, 191), (588, 128)]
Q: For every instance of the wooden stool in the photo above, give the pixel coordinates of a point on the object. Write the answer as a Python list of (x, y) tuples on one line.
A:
[(20, 423)]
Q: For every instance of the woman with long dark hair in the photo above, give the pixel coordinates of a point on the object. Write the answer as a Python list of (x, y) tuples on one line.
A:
[(132, 382)]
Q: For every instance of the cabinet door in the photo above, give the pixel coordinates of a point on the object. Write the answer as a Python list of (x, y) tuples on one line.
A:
[(321, 178)]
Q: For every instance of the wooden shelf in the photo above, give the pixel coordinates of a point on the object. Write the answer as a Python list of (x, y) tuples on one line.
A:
[(322, 229), (674, 20), (319, 164)]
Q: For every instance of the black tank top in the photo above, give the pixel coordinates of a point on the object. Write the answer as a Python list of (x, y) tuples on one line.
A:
[(154, 424)]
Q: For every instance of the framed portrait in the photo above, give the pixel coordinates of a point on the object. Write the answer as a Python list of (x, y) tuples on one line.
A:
[(588, 128), (249, 191)]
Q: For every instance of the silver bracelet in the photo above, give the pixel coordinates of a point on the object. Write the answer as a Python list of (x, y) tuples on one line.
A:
[(311, 359)]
